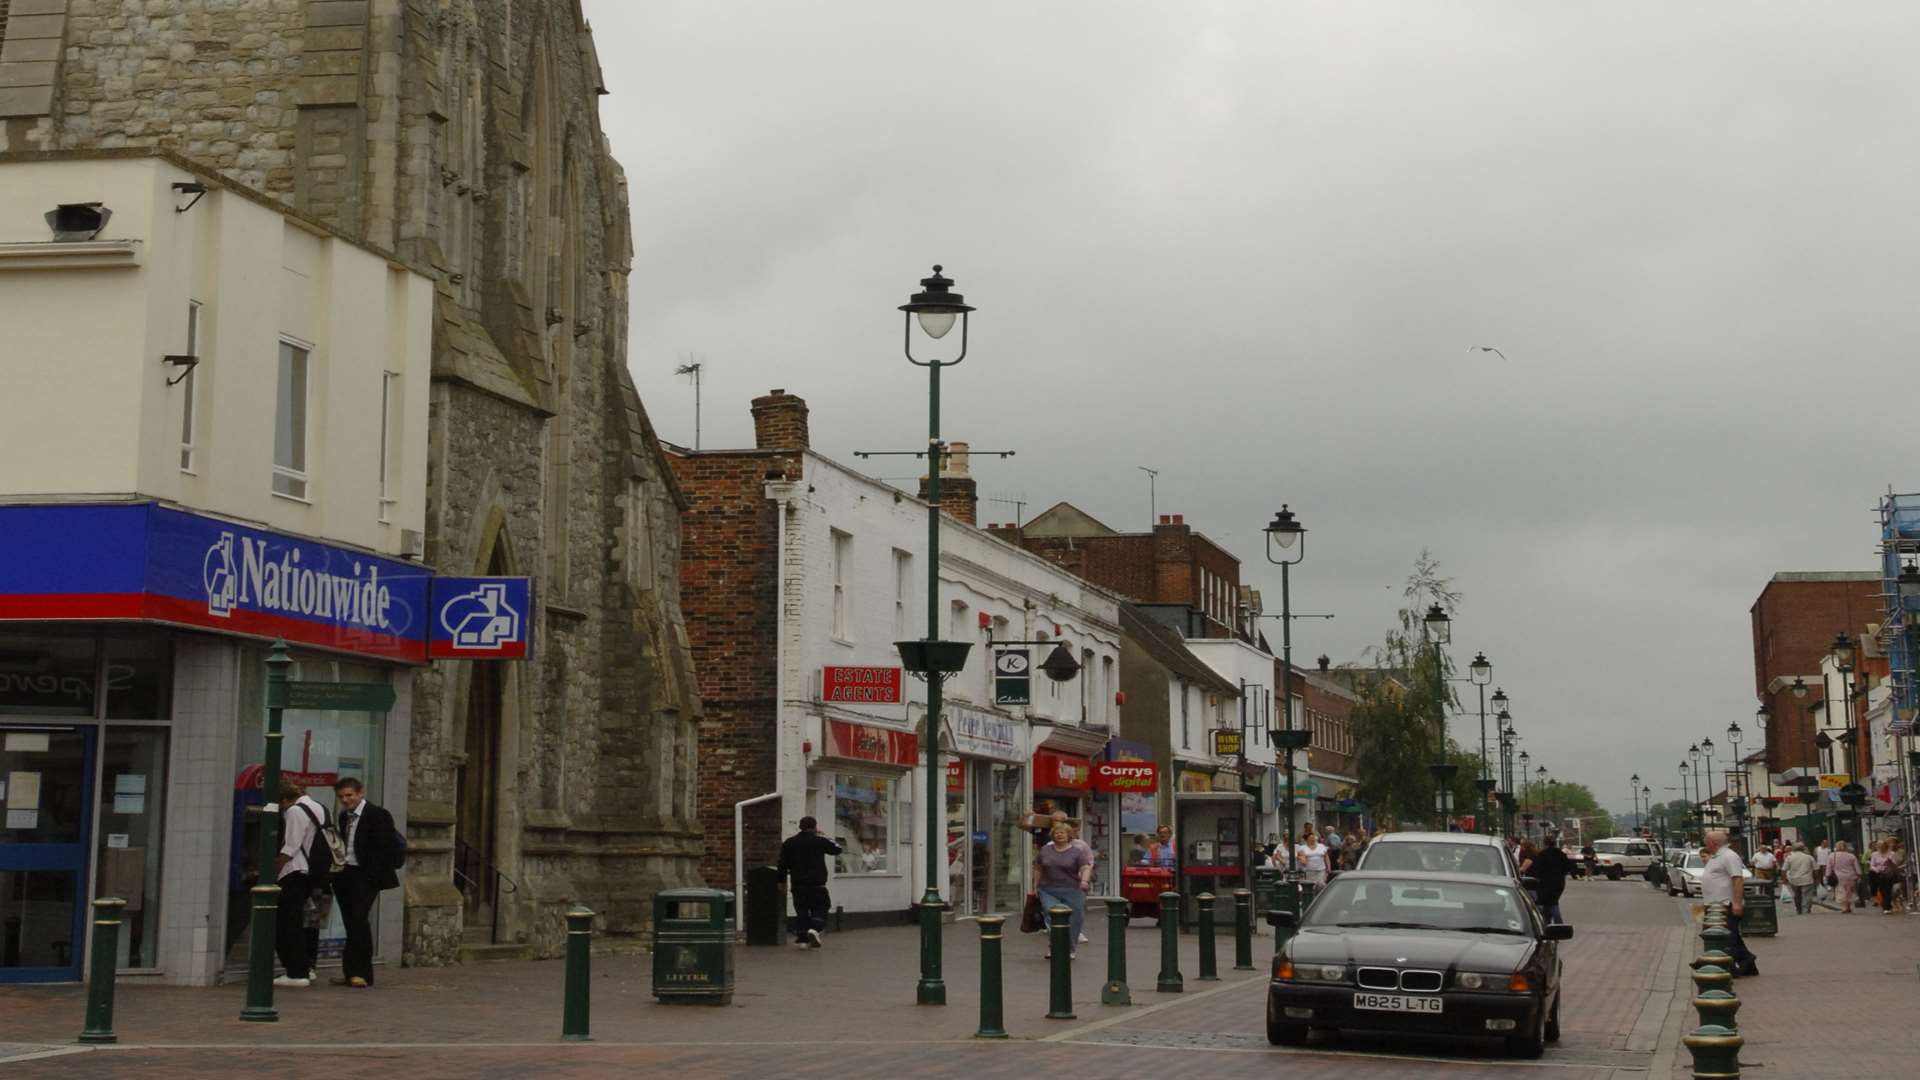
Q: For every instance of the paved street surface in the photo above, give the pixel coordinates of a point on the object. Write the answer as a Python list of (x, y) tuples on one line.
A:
[(847, 1011)]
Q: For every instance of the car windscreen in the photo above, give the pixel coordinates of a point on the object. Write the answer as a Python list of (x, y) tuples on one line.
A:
[(1419, 905), (1694, 862), (1438, 857)]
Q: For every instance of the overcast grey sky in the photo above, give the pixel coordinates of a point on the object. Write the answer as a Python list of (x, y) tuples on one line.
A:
[(1249, 244)]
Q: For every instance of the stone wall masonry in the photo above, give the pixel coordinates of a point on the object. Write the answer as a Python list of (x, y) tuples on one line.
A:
[(420, 126)]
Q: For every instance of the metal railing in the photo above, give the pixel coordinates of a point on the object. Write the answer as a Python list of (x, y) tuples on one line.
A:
[(486, 879)]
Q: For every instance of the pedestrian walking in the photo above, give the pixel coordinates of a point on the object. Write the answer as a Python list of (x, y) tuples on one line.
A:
[(1162, 851), (1550, 869), (1334, 847), (803, 864), (1799, 869), (1822, 861), (1897, 853), (303, 860), (1764, 864), (1879, 873), (375, 852), (1843, 875), (1063, 871), (1350, 852), (1311, 855), (1724, 881)]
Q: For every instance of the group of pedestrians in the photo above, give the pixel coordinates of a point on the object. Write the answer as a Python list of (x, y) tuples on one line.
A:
[(1834, 874), (323, 863), (1319, 852)]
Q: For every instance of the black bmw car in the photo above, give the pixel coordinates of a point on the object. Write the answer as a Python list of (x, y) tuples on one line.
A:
[(1420, 953)]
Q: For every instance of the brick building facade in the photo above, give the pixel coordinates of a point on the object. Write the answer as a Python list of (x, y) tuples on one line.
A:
[(1172, 565), (462, 138), (1794, 622)]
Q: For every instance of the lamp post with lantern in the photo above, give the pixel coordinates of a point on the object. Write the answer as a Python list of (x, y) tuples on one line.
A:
[(1706, 748), (1481, 672), (1439, 631), (1633, 789), (934, 309), (1286, 548), (1734, 735)]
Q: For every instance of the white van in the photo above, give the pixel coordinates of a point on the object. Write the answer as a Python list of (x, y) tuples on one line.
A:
[(1619, 856)]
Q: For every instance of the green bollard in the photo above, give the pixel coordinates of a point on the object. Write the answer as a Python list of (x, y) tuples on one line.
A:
[(1242, 930), (992, 1023), (1169, 982), (573, 1022), (1717, 1007), (1116, 992), (106, 962), (1209, 969), (1716, 1052), (266, 904), (1060, 981), (1712, 977)]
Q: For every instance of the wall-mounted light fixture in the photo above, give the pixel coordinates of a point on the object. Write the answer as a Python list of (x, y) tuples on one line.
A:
[(185, 361), (189, 187), (77, 222)]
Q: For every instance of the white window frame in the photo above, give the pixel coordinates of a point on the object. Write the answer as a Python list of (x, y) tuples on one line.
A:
[(902, 594), (389, 441), (302, 476), (842, 559), (189, 403)]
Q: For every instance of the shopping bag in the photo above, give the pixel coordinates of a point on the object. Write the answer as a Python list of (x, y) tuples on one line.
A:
[(1030, 921)]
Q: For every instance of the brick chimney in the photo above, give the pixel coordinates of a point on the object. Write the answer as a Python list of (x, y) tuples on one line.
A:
[(780, 421), (959, 497)]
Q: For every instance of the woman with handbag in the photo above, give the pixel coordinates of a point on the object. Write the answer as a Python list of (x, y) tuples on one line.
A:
[(1063, 870), (1843, 875)]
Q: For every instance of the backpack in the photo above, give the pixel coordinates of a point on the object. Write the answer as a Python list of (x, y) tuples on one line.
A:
[(327, 852)]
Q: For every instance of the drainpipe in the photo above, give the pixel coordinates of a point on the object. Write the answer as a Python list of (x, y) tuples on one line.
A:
[(779, 700)]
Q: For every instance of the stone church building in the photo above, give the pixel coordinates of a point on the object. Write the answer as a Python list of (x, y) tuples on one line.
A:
[(462, 136)]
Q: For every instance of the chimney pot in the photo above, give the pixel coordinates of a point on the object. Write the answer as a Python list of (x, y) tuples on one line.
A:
[(1179, 519), (1166, 519), (780, 421)]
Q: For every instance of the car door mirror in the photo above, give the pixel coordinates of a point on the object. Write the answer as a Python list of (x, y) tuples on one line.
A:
[(1282, 920), (1558, 932)]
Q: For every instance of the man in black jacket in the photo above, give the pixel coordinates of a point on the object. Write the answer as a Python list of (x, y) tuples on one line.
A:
[(803, 864), (374, 852), (1550, 869)]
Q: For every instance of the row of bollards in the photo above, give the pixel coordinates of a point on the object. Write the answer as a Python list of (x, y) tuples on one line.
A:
[(1114, 991), (1715, 1044)]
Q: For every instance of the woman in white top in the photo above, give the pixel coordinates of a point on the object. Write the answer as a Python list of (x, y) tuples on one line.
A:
[(1312, 854)]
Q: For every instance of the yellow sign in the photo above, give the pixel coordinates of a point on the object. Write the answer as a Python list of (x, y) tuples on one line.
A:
[(1226, 742), (1832, 781)]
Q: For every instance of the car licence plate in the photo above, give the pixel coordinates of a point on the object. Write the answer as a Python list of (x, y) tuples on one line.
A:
[(1397, 1003)]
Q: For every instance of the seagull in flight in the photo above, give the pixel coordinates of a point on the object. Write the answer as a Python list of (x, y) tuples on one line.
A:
[(1487, 348)]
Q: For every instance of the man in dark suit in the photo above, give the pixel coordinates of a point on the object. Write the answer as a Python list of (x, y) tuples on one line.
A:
[(374, 853)]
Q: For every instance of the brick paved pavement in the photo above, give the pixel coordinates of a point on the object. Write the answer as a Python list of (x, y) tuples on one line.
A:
[(1835, 997), (843, 1011)]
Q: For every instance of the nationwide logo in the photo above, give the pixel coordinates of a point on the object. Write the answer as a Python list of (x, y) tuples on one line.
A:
[(239, 572), (481, 620)]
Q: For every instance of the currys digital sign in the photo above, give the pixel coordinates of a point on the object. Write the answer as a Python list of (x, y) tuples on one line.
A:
[(156, 564)]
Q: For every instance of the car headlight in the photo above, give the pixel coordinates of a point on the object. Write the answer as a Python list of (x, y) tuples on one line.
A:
[(1324, 972), (1474, 980)]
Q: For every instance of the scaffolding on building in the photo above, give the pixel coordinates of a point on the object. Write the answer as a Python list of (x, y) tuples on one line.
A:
[(1899, 638)]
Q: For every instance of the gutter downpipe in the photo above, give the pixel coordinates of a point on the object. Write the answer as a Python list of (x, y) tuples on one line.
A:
[(779, 724)]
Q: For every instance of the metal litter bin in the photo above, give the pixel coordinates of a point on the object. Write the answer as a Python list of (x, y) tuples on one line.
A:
[(766, 907), (1761, 918), (693, 947)]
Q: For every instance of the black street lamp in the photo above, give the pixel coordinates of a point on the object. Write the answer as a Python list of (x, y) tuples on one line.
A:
[(1633, 788), (1438, 628), (1286, 548), (1545, 816), (1481, 673), (935, 308), (1706, 747), (1733, 741), (1687, 792)]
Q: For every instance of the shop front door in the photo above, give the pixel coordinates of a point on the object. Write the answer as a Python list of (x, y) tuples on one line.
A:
[(47, 773)]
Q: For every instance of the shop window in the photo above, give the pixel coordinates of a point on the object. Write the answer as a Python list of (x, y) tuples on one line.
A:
[(863, 824), (133, 785), (47, 675), (290, 422), (138, 673)]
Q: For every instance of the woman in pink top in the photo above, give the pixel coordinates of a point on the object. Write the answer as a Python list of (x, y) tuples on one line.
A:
[(1880, 875), (1844, 868)]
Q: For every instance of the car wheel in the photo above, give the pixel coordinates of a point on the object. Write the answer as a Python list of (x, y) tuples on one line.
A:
[(1531, 1045), (1286, 1034), (1615, 873), (1553, 1022)]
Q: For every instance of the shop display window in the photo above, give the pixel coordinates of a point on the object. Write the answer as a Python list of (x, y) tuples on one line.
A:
[(863, 808)]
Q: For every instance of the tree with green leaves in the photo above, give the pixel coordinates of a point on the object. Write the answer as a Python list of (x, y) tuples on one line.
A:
[(1402, 696)]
